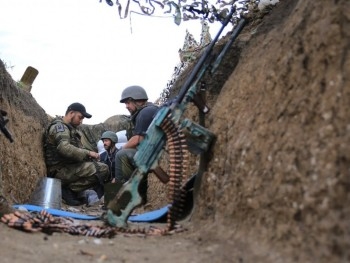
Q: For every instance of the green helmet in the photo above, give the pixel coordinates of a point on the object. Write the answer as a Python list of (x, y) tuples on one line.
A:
[(110, 135), (133, 92)]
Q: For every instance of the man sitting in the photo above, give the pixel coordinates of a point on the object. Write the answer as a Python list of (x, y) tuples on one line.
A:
[(66, 159), (109, 140)]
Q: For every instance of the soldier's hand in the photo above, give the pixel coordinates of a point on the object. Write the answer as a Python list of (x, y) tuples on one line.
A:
[(94, 155)]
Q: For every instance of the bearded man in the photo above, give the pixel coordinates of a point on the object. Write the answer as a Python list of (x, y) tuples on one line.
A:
[(67, 160), (142, 113), (109, 140)]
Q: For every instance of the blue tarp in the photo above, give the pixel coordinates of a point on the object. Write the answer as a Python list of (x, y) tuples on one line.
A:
[(151, 216)]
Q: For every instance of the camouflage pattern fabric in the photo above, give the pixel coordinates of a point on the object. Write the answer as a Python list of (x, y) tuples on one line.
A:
[(91, 134), (191, 50), (66, 159), (81, 176), (63, 145)]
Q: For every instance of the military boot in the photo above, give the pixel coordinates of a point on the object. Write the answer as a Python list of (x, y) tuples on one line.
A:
[(70, 198)]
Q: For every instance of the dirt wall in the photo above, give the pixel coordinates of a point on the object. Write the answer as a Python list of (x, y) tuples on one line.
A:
[(280, 168), (21, 162)]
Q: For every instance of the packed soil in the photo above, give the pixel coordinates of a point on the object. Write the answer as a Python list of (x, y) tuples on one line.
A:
[(276, 186)]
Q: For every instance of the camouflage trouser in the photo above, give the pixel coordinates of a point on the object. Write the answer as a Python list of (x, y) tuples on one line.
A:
[(125, 166), (82, 176)]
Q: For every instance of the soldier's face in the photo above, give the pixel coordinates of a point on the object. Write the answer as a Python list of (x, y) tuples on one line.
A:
[(107, 144), (130, 106), (76, 118)]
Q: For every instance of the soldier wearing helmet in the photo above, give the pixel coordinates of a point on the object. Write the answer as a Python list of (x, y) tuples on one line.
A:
[(109, 140), (142, 113)]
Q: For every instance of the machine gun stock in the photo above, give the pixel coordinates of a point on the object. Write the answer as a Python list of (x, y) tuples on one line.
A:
[(181, 137)]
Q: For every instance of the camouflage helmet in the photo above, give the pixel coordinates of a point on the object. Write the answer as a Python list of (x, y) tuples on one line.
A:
[(133, 92), (110, 135)]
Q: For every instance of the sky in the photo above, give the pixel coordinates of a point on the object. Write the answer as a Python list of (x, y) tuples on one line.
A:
[(86, 53)]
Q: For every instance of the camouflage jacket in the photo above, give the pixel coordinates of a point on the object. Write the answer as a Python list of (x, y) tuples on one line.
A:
[(62, 145)]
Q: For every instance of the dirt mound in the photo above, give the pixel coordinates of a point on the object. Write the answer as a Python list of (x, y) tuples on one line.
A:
[(277, 185)]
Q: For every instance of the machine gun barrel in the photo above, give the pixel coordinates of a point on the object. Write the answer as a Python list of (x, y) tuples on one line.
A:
[(202, 60), (233, 36)]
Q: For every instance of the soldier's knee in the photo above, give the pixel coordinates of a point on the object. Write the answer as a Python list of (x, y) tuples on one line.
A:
[(104, 168), (103, 172)]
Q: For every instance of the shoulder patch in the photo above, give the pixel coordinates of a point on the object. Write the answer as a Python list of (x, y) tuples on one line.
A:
[(59, 127)]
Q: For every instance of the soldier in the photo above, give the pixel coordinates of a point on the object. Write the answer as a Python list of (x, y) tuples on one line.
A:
[(66, 159), (142, 113), (109, 140)]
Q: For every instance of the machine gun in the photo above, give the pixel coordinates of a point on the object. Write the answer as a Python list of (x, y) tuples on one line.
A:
[(3, 122), (180, 136)]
